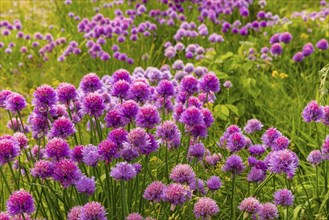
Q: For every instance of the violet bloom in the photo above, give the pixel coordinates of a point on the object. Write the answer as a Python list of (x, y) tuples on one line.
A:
[(93, 210), (121, 74), (120, 89), (308, 49), (205, 208), (192, 116), (182, 173), (57, 149), (74, 213), (283, 197), (198, 186), (44, 97), (256, 175), (176, 194), (66, 92), (276, 49), (66, 172), (165, 88), (325, 148), (9, 149), (134, 216), (280, 143), (190, 85), (20, 202), (154, 191), (123, 171), (4, 94), (90, 83), (322, 44), (76, 154), (209, 83), (118, 136), (4, 216), (214, 183), (113, 119), (270, 135), (282, 161), (128, 110), (250, 205), (168, 131), (315, 157), (285, 37), (257, 150), (21, 139), (312, 112), (108, 150), (253, 125), (268, 211), (325, 118), (90, 155), (298, 57), (93, 105), (62, 128), (227, 84), (234, 165), (42, 169), (86, 185), (139, 91), (236, 142), (147, 117), (15, 102), (196, 150)]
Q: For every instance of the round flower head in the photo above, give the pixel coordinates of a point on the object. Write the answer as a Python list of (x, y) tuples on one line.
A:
[(165, 88), (283, 197), (86, 185), (44, 97), (57, 149), (234, 164), (176, 194), (167, 131), (93, 105), (108, 150), (128, 153), (3, 96), (280, 143), (138, 137), (118, 136), (4, 216), (74, 213), (182, 173), (66, 92), (66, 172), (62, 128), (198, 186), (93, 211), (154, 191), (256, 175), (190, 85), (315, 157), (120, 89), (15, 102), (207, 117), (121, 74), (325, 148), (90, 155), (276, 49), (214, 183), (205, 208), (229, 131), (192, 116), (113, 119), (20, 202), (134, 216), (90, 83), (197, 150), (250, 205), (298, 57), (312, 112), (322, 44), (257, 150), (285, 37), (268, 211), (128, 110), (270, 135), (325, 118), (76, 154), (151, 147), (252, 125), (227, 84), (147, 117), (123, 171), (236, 142), (209, 82), (140, 91), (9, 149), (42, 169), (282, 161)]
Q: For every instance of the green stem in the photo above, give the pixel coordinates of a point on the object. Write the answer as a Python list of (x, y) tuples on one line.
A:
[(5, 180), (167, 169), (20, 118), (233, 217), (123, 199)]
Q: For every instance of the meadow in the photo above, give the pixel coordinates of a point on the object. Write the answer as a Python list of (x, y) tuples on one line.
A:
[(164, 109)]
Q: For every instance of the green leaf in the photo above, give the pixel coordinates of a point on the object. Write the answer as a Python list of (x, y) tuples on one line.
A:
[(233, 108)]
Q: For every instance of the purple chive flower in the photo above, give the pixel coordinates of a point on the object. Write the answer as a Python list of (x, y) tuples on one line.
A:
[(298, 57), (325, 117), (134, 216), (76, 154), (282, 161), (256, 175), (325, 148), (227, 84), (257, 150), (128, 153), (66, 92), (66, 172), (86, 185), (113, 119), (276, 49), (121, 74), (44, 97), (250, 205), (120, 89), (3, 97), (90, 83), (147, 117), (268, 211), (123, 171), (90, 155), (154, 191), (190, 85), (4, 216), (192, 116), (229, 131), (322, 44), (270, 135), (312, 112), (234, 164), (21, 139), (139, 91), (93, 210), (74, 213), (308, 49), (209, 83), (176, 194), (118, 136), (214, 183), (205, 208), (42, 169), (285, 37), (168, 131), (165, 88), (9, 149), (93, 105), (283, 197), (62, 128), (128, 110), (196, 150), (20, 202), (15, 102), (57, 149), (280, 143), (315, 157), (108, 150), (182, 173), (252, 125), (198, 186), (236, 142)]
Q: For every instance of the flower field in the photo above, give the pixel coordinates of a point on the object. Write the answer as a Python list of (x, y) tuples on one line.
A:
[(164, 109)]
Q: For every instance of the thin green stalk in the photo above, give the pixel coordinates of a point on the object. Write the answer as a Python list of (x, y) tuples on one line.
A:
[(233, 213), (20, 118), (5, 180), (123, 199), (166, 158), (13, 174)]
